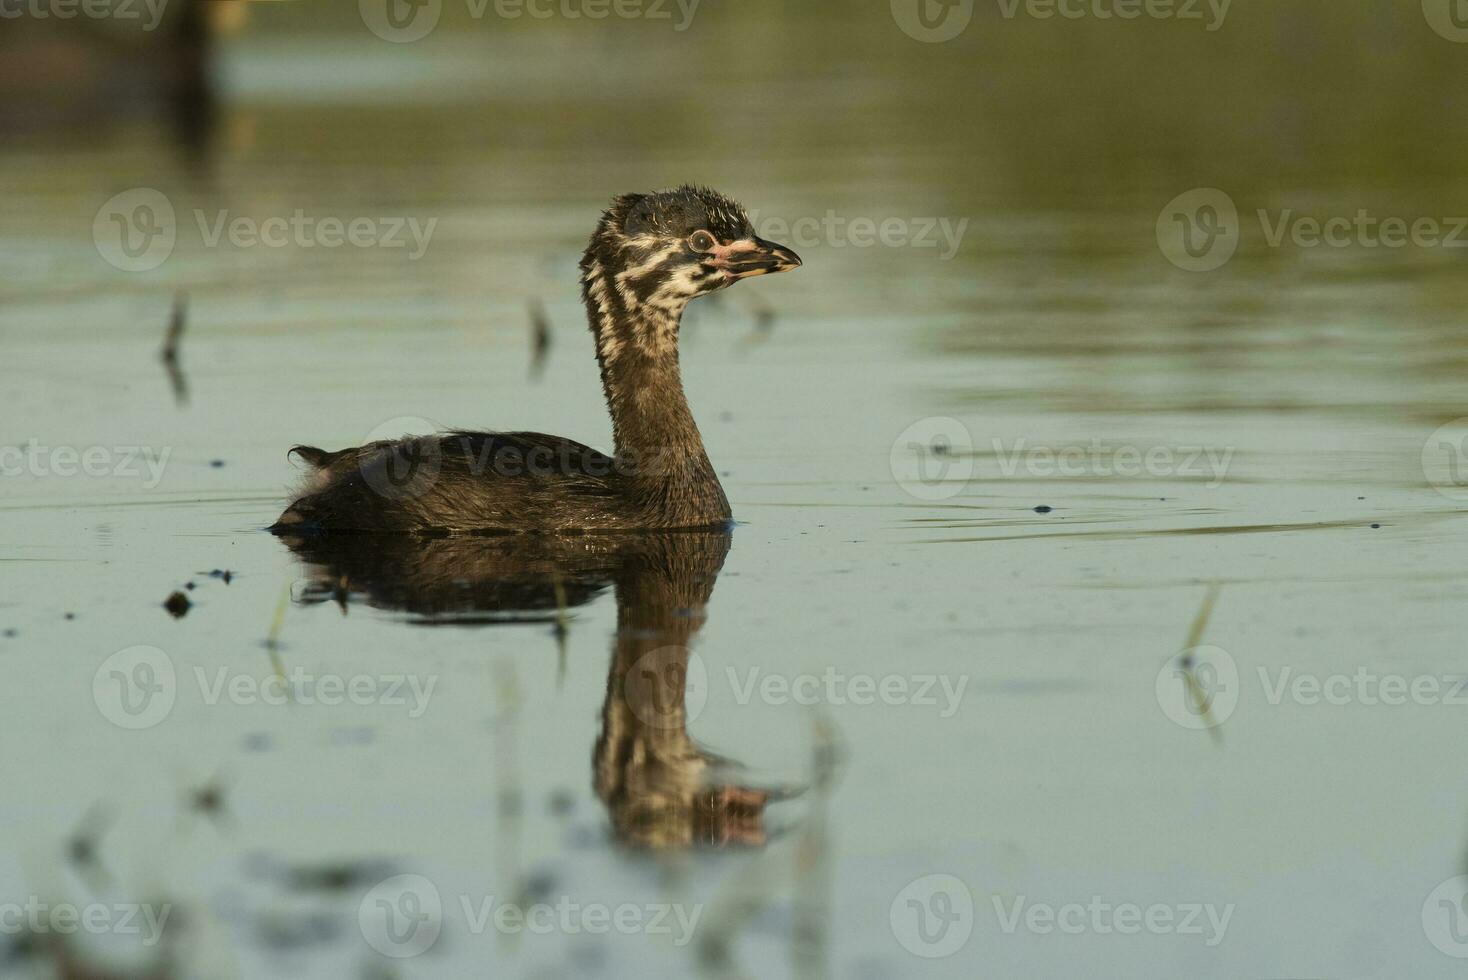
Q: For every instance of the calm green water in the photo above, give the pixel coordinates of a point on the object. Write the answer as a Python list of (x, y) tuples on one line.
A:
[(928, 671)]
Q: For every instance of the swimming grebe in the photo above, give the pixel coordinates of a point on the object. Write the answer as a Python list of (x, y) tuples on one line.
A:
[(650, 255)]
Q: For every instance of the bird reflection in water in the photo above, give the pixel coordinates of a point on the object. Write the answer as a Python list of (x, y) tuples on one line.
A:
[(661, 789)]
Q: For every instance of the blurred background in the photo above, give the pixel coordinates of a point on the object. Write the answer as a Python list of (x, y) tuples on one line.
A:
[(1225, 237)]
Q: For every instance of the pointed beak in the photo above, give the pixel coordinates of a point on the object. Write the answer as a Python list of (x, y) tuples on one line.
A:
[(756, 257)]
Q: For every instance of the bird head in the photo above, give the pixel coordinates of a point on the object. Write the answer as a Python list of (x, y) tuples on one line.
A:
[(664, 249)]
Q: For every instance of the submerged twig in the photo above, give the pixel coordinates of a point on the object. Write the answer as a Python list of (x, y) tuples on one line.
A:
[(272, 639), (1202, 699), (169, 353), (562, 629), (510, 809), (810, 934), (540, 338)]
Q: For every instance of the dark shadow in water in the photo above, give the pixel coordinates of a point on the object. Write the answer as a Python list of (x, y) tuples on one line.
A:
[(661, 789)]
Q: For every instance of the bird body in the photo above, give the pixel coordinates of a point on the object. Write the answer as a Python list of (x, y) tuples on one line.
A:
[(650, 255)]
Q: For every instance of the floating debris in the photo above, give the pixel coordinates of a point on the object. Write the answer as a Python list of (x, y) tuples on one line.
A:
[(208, 800), (177, 605), (84, 846), (561, 802), (297, 930), (538, 886), (337, 876), (169, 354), (1044, 509), (257, 742)]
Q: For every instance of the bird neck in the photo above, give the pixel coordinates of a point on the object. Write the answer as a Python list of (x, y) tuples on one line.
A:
[(637, 347)]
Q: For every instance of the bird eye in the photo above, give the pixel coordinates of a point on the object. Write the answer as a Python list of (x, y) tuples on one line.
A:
[(701, 241)]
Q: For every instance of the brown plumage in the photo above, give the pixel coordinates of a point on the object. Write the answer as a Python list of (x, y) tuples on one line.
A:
[(649, 256)]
